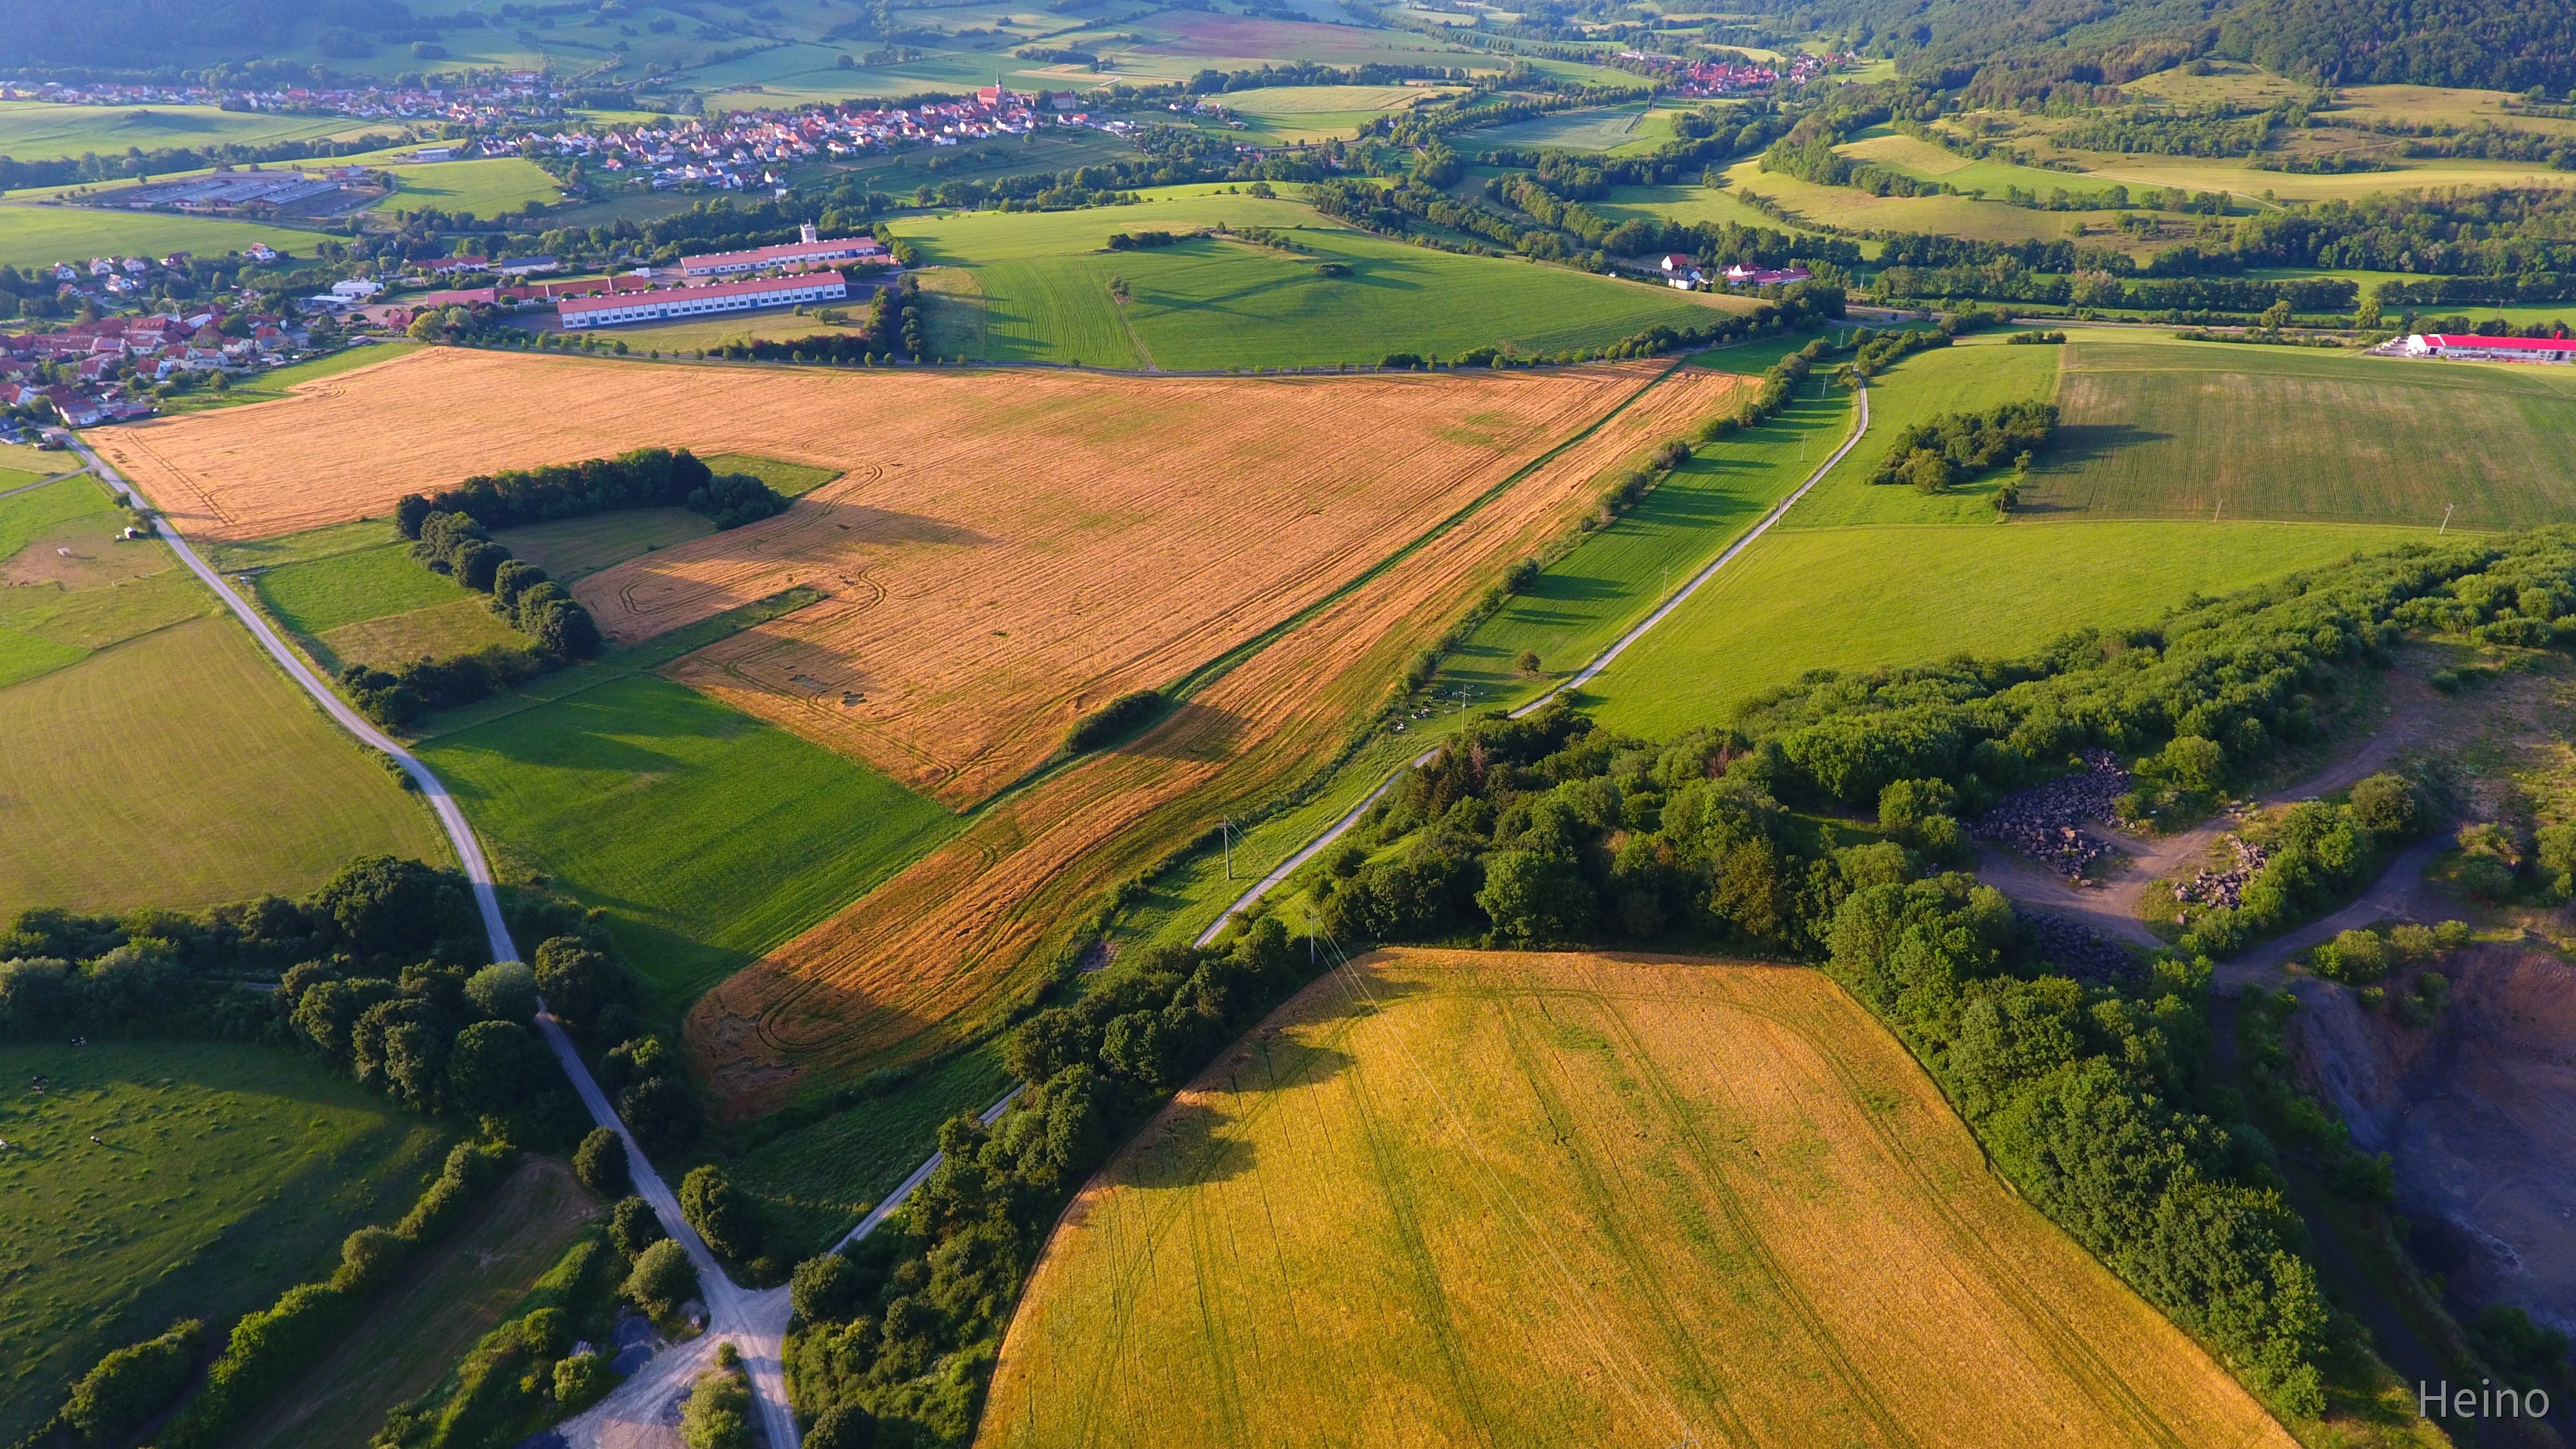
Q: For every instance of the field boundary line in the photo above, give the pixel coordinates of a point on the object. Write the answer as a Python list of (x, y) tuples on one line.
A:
[(1285, 868), (731, 1311), (1211, 671), (1780, 510)]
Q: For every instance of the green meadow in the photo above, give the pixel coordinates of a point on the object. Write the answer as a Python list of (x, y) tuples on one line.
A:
[(574, 548), (47, 131), (1582, 603), (40, 235), (1040, 289), (364, 583), (707, 835), (816, 1182), (1858, 598), (2167, 429), (1970, 376), (483, 188), (223, 1174)]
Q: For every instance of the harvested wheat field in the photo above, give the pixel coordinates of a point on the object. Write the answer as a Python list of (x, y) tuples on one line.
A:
[(938, 954), (1451, 1197), (1005, 551)]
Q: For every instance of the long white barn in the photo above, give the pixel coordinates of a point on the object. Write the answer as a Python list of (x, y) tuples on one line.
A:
[(671, 304)]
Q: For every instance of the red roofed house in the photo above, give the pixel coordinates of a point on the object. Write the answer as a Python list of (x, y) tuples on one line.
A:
[(2468, 347)]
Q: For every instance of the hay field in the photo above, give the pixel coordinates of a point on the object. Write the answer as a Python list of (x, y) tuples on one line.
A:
[(936, 955), (1959, 216), (1451, 1197), (2179, 430), (1004, 551)]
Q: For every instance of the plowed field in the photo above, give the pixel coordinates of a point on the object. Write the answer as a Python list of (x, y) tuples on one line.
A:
[(1003, 552), (935, 955), (1466, 1198)]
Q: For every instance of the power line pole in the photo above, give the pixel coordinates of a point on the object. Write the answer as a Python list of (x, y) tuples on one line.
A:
[(2446, 520), (1225, 828)]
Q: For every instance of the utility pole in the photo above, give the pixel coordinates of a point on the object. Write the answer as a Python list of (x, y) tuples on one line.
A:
[(1226, 829), (2446, 520)]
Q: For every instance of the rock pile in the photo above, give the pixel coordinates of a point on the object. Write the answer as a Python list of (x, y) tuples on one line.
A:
[(2078, 949), (2046, 822), (2225, 887)]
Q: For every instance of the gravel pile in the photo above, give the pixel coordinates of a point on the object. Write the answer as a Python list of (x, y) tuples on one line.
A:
[(2047, 822), (2077, 949), (2225, 887)]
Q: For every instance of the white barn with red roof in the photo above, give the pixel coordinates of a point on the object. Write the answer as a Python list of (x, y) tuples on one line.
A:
[(2472, 348), (674, 303)]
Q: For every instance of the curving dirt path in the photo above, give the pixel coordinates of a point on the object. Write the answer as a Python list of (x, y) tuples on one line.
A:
[(2408, 720)]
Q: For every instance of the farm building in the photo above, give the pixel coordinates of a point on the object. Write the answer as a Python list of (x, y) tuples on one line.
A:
[(672, 303), (806, 252), (2473, 348), (1743, 275)]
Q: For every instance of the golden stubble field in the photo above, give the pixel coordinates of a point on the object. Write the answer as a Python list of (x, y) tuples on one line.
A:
[(1005, 550), (937, 956), (1457, 1197)]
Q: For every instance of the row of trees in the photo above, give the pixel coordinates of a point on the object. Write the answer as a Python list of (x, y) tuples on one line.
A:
[(1551, 830), (897, 1336)]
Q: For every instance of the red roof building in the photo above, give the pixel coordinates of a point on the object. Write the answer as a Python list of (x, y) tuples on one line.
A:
[(2471, 347)]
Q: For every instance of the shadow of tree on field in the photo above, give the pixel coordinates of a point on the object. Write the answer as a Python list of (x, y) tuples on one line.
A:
[(1191, 731)]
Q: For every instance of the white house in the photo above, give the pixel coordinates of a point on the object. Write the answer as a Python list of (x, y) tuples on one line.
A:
[(2472, 348)]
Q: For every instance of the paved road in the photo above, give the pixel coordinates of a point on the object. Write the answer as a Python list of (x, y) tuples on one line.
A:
[(1288, 867), (756, 1322)]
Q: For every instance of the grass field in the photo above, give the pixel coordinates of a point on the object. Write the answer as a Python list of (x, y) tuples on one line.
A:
[(39, 236), (1965, 377), (1582, 603), (1043, 279), (181, 769), (709, 836), (575, 548), (1686, 204), (1281, 114), (673, 339), (2168, 429), (788, 480), (223, 1175), (1449, 1197), (814, 1184), (45, 131), (365, 583), (417, 1332), (1603, 128), (1927, 162), (484, 188), (1857, 598), (1960, 216)]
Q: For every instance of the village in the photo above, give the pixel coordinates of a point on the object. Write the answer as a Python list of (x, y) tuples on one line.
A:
[(745, 149)]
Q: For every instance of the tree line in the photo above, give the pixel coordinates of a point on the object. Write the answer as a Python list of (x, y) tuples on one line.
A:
[(1551, 830), (384, 974)]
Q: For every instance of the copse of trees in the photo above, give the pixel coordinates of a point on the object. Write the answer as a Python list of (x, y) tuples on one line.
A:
[(1954, 447), (643, 478), (905, 1327)]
